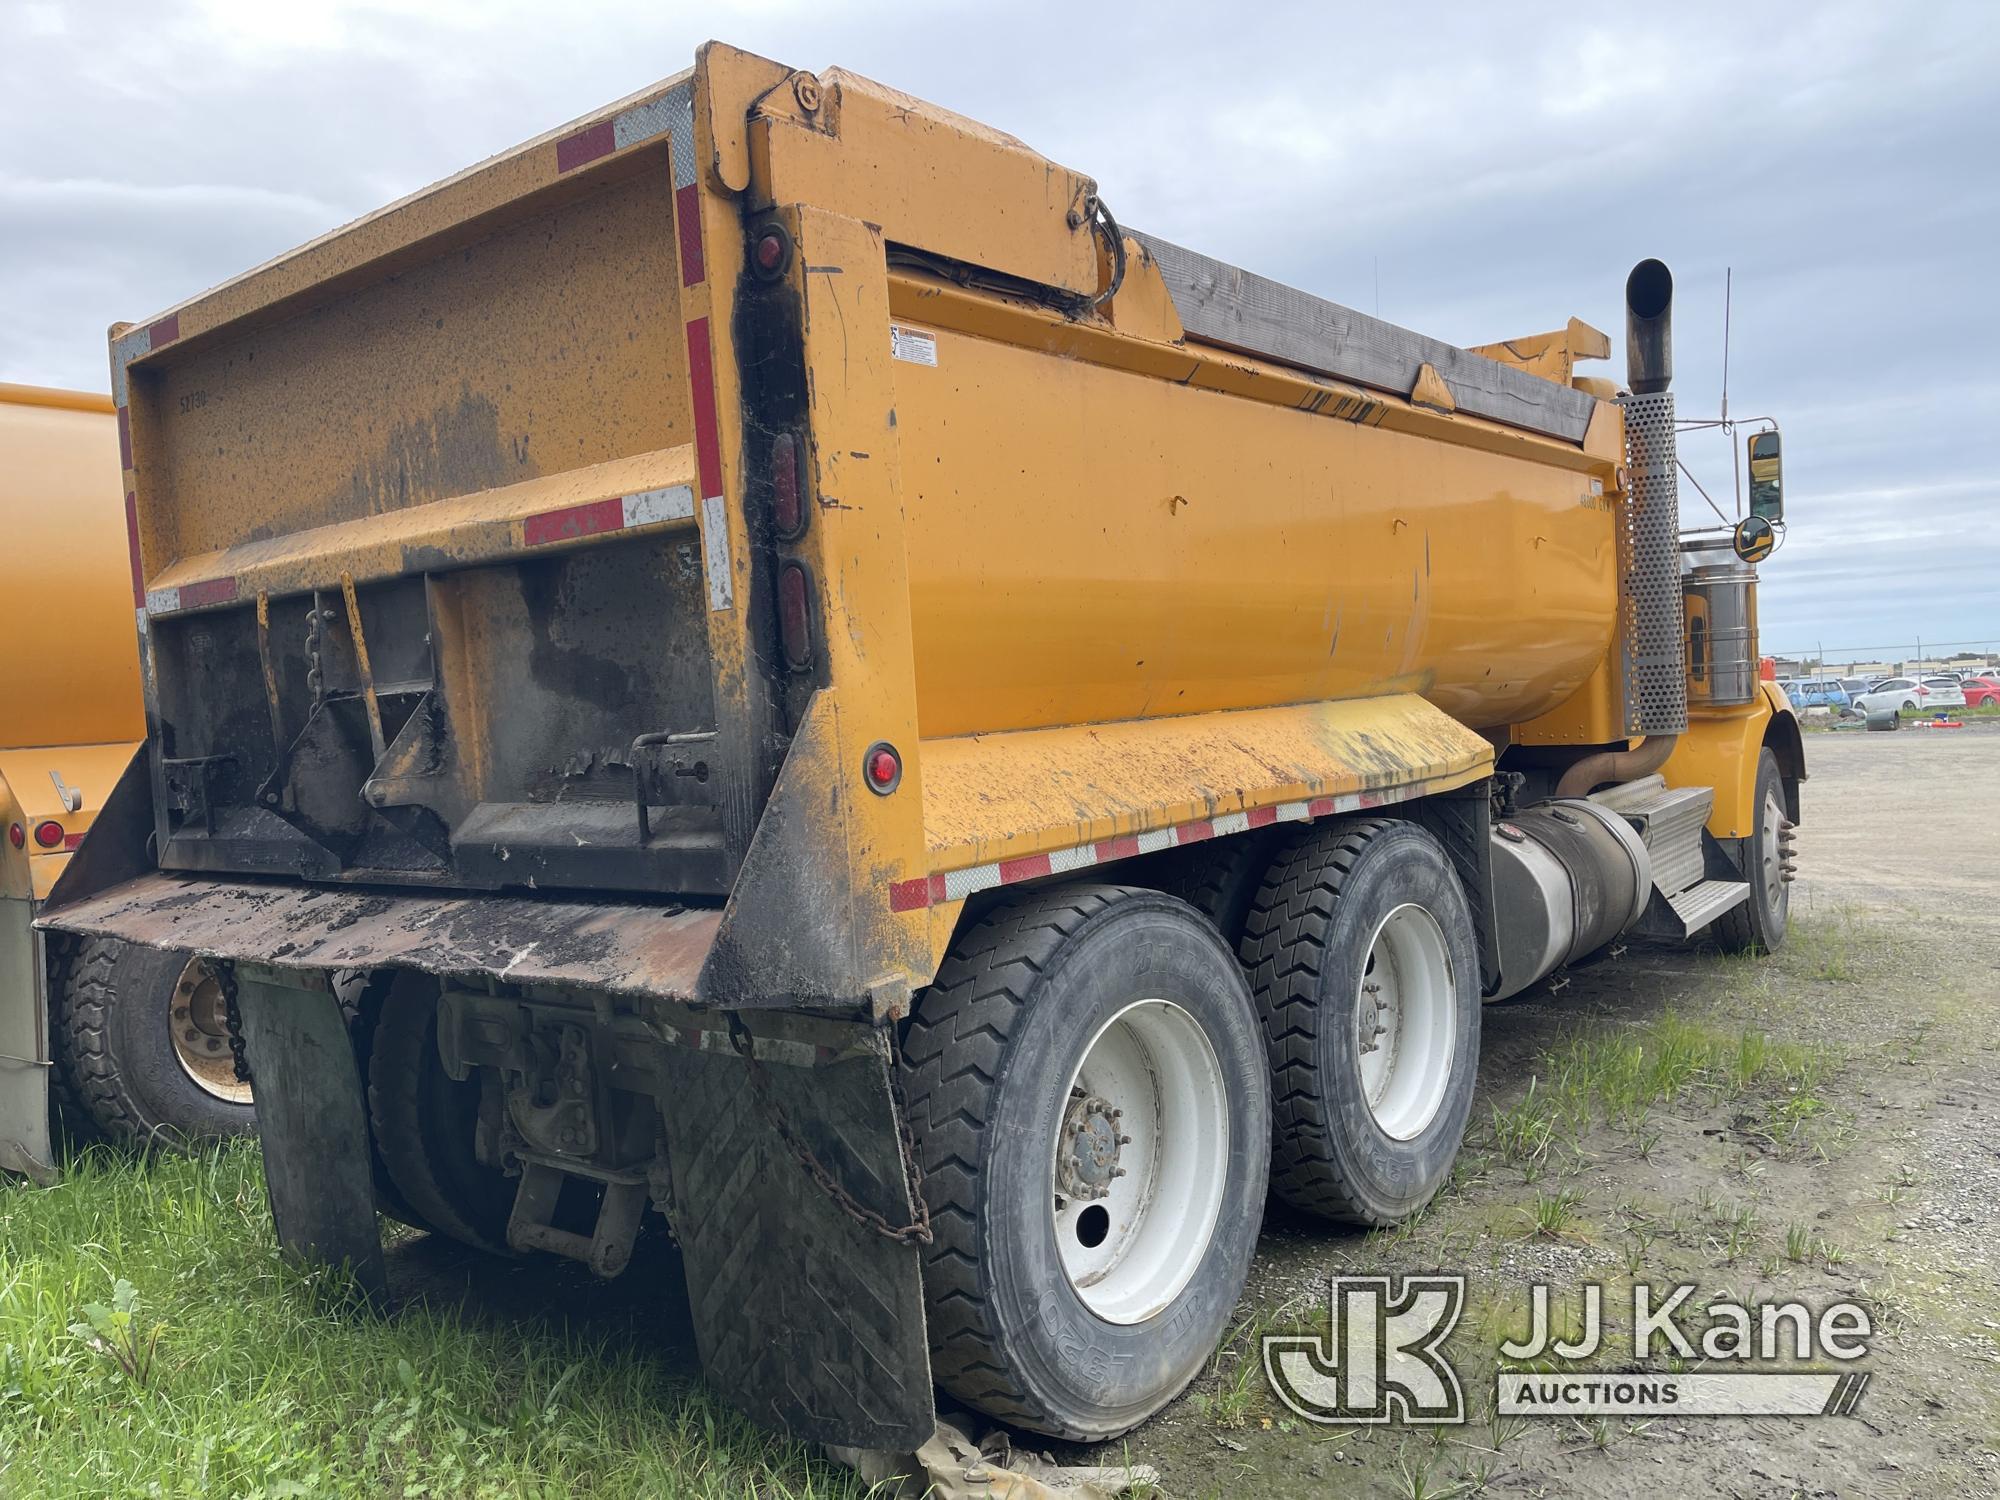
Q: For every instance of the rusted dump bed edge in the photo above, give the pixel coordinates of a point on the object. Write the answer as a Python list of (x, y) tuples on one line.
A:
[(625, 949)]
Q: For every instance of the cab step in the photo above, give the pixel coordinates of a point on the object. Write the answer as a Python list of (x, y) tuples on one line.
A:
[(1670, 821)]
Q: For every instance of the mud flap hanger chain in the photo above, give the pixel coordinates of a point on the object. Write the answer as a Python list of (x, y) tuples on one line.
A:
[(232, 1017), (918, 1231)]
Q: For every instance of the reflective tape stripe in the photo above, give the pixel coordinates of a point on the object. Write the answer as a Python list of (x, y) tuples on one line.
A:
[(648, 507), (672, 115), (956, 885), (191, 596)]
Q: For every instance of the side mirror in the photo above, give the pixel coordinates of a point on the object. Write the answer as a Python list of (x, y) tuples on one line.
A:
[(1755, 539), (1767, 482)]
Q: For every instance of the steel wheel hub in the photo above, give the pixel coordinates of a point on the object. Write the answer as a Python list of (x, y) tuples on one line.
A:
[(1779, 856), (1139, 1162), (197, 1021), (1090, 1163), (1405, 1022)]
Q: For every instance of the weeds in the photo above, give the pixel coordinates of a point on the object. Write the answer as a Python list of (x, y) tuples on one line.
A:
[(1552, 1214), (116, 1332)]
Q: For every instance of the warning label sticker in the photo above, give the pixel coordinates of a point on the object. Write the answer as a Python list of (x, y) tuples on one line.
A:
[(913, 345)]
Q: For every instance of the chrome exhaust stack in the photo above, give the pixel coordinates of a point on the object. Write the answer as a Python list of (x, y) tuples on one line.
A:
[(1649, 328), (1653, 632)]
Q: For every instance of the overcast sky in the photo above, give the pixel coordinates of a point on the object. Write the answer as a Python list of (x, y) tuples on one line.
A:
[(1473, 174)]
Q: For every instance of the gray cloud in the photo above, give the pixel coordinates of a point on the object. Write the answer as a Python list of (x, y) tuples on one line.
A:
[(1476, 174)]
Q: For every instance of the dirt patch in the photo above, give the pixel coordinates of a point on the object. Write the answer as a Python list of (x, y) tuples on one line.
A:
[(1817, 1126)]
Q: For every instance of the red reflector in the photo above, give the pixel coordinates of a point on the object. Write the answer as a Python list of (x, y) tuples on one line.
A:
[(770, 252), (884, 768), (48, 834), (795, 616), (72, 840), (17, 835), (788, 512)]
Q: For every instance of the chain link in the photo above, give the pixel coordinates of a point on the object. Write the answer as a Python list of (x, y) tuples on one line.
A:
[(232, 1017), (918, 1231)]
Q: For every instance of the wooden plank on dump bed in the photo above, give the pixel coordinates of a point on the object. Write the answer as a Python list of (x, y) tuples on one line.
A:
[(1221, 304)]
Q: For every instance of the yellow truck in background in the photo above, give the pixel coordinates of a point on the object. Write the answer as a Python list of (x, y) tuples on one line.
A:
[(131, 1035), (937, 745)]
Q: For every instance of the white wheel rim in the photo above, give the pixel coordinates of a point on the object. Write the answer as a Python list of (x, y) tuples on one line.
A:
[(1133, 1238), (1405, 1022)]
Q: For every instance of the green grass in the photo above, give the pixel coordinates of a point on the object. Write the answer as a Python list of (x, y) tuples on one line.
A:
[(153, 1343), (1618, 1075), (1984, 711)]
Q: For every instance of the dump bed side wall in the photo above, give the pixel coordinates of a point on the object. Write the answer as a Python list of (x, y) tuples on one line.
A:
[(1088, 543)]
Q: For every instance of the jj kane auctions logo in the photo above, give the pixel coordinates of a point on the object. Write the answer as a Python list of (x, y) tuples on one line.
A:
[(1382, 1356)]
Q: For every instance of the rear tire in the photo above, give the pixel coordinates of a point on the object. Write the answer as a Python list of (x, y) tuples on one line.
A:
[(1758, 924), (425, 1124), (116, 1009), (1086, 1261), (1365, 922), (1220, 878)]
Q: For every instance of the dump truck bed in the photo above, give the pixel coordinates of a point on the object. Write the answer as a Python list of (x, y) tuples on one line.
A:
[(529, 536)]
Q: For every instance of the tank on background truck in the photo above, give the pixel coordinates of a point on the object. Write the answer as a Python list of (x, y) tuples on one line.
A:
[(131, 1037), (935, 743)]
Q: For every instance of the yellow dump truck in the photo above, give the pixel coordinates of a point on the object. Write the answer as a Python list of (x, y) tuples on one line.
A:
[(939, 745), (132, 1037)]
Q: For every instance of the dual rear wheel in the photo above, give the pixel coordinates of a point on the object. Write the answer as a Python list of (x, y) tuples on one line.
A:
[(1101, 1093)]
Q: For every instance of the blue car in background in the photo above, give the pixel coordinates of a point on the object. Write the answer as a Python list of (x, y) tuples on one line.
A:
[(1816, 692)]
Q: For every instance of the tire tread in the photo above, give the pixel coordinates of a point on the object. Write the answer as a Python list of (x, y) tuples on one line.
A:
[(1283, 948), (949, 1089), (86, 1073)]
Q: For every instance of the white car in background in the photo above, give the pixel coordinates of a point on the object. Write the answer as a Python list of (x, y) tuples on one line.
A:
[(1925, 693)]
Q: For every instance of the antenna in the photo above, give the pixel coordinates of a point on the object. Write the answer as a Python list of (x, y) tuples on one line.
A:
[(1728, 288), (1735, 458)]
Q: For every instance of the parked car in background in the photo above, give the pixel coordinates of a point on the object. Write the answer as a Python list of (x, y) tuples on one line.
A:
[(1856, 686), (1818, 692), (1929, 692), (1982, 692)]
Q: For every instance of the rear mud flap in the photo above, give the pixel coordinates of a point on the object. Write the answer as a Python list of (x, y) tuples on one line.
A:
[(807, 1320), (312, 1122)]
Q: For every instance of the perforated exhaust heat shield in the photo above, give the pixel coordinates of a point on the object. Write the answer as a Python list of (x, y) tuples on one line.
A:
[(1652, 631)]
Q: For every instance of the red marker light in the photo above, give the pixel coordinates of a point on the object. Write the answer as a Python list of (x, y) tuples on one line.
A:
[(788, 513), (17, 835), (795, 617), (882, 768), (49, 834), (772, 250)]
